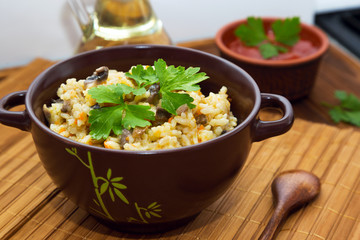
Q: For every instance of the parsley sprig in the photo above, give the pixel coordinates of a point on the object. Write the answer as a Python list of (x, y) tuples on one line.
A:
[(116, 115), (253, 34), (348, 110), (171, 80), (119, 116)]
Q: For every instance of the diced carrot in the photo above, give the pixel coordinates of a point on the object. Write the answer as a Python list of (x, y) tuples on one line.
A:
[(201, 127), (82, 116), (197, 113), (61, 130), (107, 145), (170, 119), (198, 92)]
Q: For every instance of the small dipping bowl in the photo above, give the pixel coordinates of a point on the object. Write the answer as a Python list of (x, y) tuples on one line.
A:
[(292, 78)]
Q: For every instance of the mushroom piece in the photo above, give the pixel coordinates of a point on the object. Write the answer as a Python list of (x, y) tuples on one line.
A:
[(154, 93), (100, 74), (59, 100), (47, 113), (124, 137), (201, 119), (161, 116), (181, 109), (66, 107), (138, 131)]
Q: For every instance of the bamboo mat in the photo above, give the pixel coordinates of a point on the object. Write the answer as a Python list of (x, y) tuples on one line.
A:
[(31, 207)]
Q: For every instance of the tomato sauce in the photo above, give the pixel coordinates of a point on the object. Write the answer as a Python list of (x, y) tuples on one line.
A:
[(301, 49)]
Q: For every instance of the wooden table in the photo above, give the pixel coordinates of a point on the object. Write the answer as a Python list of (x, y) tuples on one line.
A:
[(31, 207)]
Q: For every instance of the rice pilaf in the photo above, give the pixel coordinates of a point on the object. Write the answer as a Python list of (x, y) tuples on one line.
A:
[(69, 117)]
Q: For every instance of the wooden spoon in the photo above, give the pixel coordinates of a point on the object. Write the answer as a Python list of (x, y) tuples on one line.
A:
[(291, 189)]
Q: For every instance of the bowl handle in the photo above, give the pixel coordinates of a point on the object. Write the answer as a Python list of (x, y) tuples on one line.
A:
[(19, 119), (267, 129)]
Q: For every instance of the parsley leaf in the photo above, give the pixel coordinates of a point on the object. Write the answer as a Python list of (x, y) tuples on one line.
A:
[(287, 31), (347, 111), (107, 94), (116, 118), (349, 101), (113, 93), (105, 119), (172, 101), (253, 35), (268, 50), (143, 76), (171, 79), (137, 116)]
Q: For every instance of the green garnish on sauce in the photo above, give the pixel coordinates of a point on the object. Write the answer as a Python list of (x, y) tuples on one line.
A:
[(253, 34), (121, 115)]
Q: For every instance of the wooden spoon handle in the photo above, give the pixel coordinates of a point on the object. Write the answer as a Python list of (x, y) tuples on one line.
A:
[(273, 224)]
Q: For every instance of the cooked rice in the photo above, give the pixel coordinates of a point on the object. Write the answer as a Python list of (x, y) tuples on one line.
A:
[(178, 131)]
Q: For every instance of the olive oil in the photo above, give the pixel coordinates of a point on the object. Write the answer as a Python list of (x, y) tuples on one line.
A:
[(119, 22)]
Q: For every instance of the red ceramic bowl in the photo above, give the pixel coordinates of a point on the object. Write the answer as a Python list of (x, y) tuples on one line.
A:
[(293, 78), (164, 188)]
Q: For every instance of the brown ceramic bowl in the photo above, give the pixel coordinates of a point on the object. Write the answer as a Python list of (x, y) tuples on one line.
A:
[(294, 78), (164, 188)]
